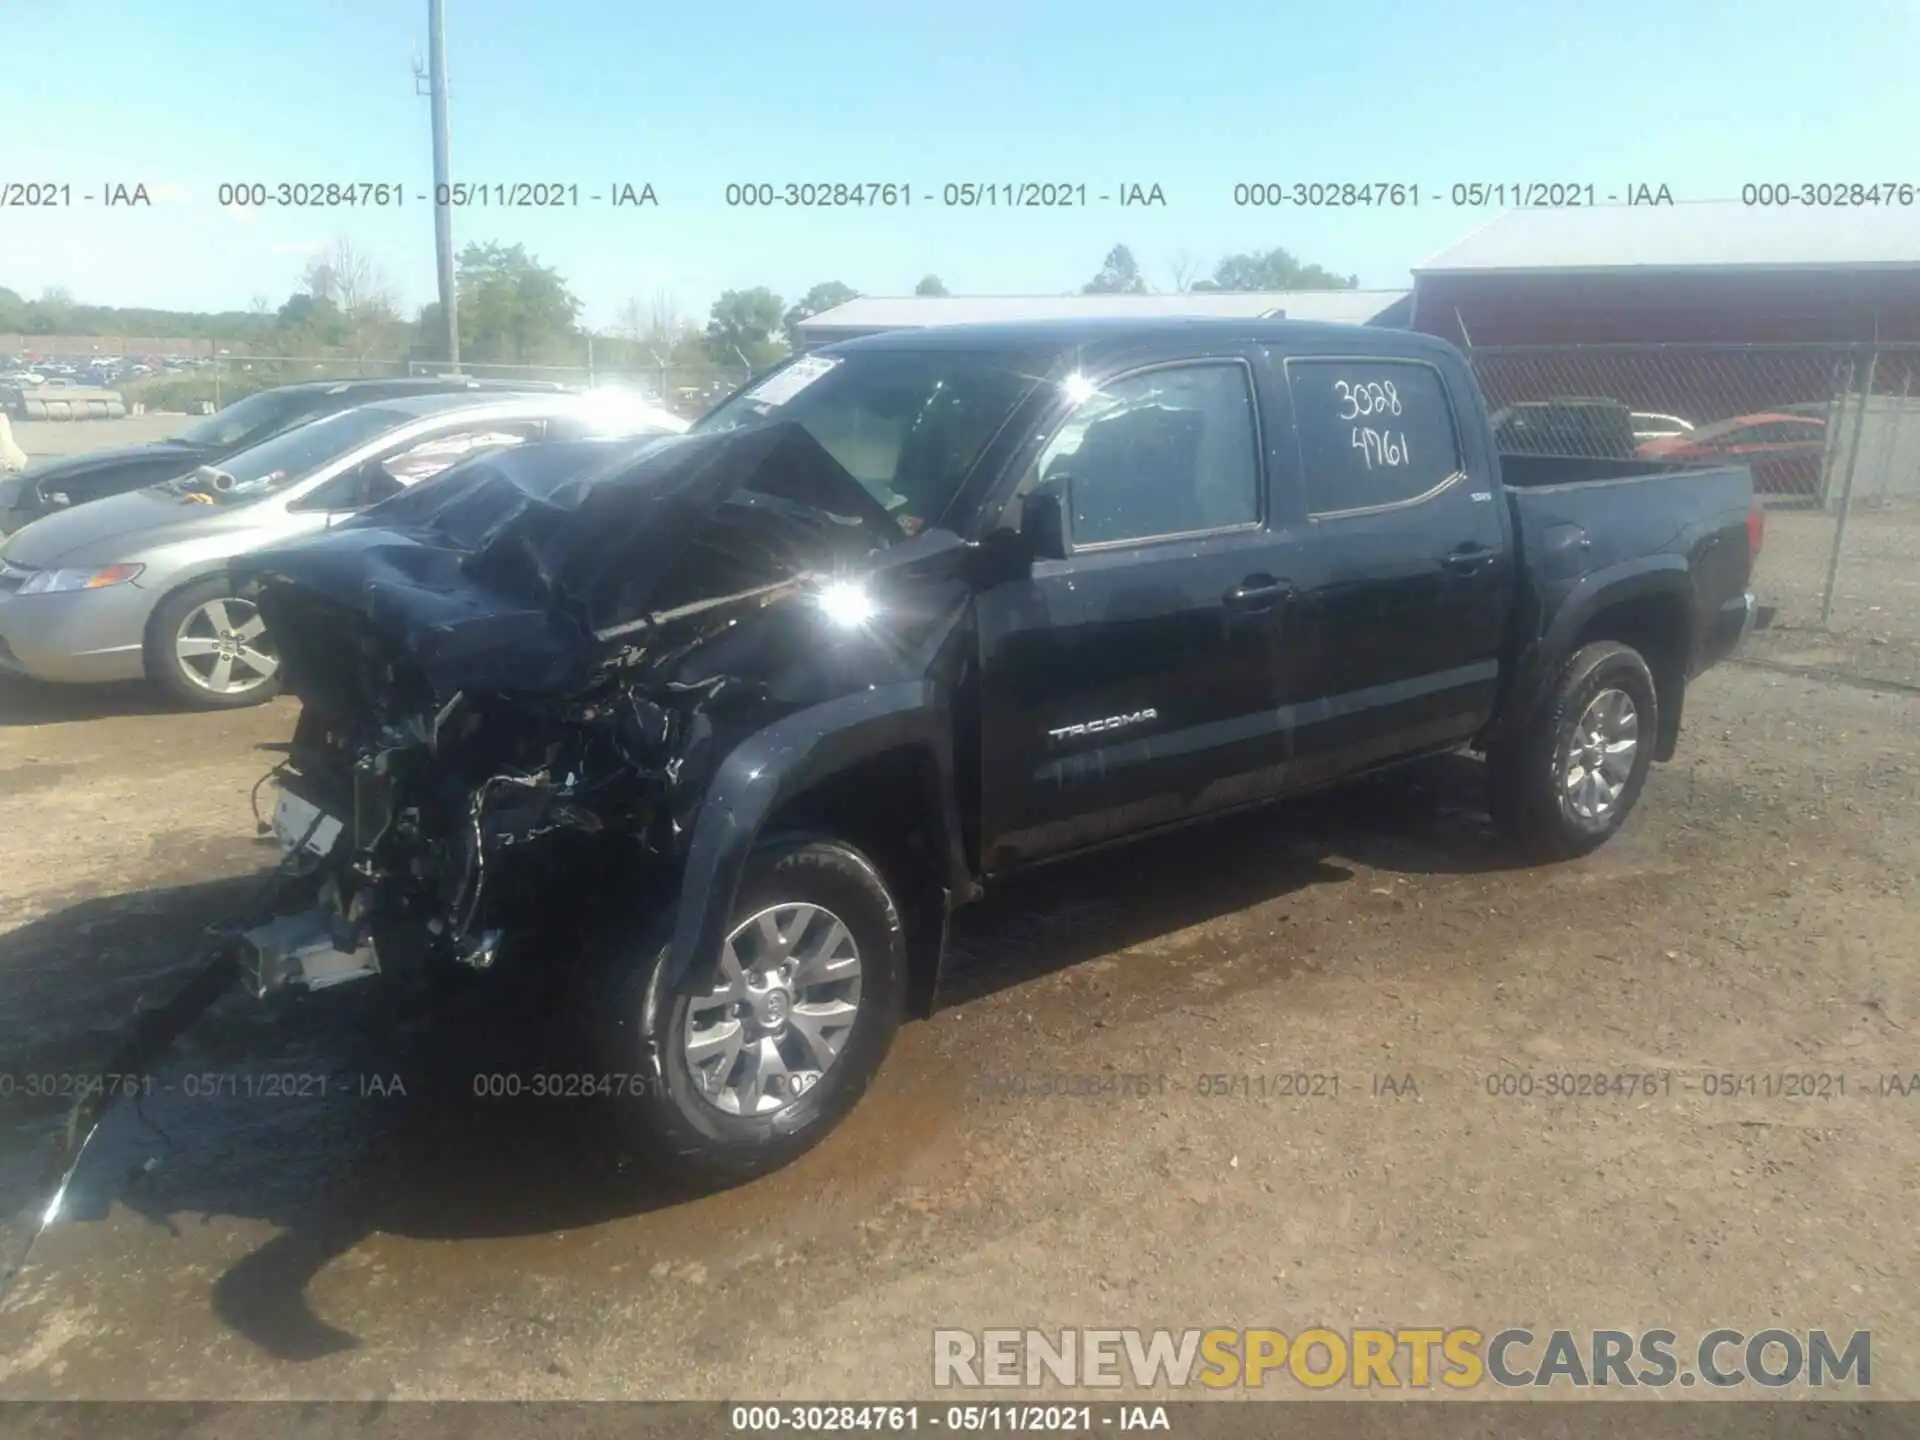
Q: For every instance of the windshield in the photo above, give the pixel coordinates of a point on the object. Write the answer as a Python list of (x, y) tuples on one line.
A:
[(281, 461), (908, 425), (247, 421)]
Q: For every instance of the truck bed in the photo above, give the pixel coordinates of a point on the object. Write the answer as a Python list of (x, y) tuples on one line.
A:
[(1657, 530), (1531, 472)]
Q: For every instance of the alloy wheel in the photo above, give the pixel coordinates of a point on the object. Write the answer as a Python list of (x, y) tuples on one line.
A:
[(1598, 758), (780, 1012), (223, 647)]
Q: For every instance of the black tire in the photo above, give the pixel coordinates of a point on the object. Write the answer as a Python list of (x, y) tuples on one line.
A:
[(666, 1115), (1527, 771), (167, 670)]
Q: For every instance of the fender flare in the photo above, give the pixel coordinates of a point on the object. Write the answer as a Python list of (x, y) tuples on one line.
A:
[(1654, 575), (782, 760)]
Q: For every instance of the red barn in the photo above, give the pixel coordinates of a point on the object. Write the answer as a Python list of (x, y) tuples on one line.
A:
[(1755, 321), (1697, 273)]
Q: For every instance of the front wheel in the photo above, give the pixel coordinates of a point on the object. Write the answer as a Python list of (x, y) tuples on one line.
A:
[(209, 649), (1566, 780), (776, 1047)]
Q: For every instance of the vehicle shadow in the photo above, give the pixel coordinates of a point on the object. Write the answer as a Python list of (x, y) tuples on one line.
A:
[(1427, 818), (365, 1111)]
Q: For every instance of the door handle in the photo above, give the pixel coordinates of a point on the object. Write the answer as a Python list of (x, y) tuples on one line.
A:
[(1258, 592), (1468, 558)]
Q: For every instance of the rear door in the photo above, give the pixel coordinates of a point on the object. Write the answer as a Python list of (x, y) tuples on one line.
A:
[(1131, 683), (1406, 567)]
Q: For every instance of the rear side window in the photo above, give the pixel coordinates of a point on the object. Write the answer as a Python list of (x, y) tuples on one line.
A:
[(1371, 432)]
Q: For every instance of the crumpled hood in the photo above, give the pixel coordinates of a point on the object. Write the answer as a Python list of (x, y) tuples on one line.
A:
[(508, 571)]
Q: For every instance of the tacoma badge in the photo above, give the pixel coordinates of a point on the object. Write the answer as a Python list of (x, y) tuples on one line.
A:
[(1096, 727)]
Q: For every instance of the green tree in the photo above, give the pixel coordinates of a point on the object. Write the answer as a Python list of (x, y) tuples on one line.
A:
[(55, 313), (930, 285), (310, 321), (824, 296), (746, 321), (1119, 275), (513, 309), (1275, 270)]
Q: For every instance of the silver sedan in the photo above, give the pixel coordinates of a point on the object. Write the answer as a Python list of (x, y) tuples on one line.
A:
[(136, 586)]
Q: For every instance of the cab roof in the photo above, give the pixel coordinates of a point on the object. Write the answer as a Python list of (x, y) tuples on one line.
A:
[(1121, 332)]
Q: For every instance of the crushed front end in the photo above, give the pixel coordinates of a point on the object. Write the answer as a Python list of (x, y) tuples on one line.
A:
[(514, 690), (442, 831)]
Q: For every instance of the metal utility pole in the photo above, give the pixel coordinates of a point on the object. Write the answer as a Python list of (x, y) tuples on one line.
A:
[(442, 197)]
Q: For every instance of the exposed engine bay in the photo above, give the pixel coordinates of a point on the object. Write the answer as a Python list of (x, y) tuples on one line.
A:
[(515, 684)]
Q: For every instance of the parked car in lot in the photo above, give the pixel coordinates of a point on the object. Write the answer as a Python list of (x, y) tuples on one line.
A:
[(1652, 425), (136, 585), (246, 422), (1568, 425), (1783, 451), (750, 711)]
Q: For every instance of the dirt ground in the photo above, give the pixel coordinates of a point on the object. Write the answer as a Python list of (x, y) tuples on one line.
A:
[(1756, 916)]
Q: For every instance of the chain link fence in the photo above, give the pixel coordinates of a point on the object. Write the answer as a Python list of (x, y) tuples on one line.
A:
[(1830, 433)]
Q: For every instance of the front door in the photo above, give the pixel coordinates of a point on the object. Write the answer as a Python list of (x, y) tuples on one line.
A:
[(1131, 683)]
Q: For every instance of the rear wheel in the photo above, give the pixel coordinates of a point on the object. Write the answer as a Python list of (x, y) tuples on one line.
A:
[(209, 649), (1567, 779), (777, 1046)]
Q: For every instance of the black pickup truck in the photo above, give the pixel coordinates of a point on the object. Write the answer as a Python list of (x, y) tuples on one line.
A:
[(722, 727)]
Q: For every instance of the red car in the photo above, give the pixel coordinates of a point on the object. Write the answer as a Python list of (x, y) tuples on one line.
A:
[(1783, 451)]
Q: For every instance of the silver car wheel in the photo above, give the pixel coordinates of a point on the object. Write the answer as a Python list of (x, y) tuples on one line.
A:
[(780, 1011), (1598, 758), (223, 647)]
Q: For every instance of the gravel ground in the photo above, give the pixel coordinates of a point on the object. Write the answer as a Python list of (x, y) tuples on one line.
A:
[(1755, 917)]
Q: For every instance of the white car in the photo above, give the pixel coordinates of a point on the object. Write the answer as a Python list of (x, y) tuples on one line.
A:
[(1651, 425)]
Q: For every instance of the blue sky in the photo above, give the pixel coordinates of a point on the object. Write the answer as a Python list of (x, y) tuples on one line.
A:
[(183, 94)]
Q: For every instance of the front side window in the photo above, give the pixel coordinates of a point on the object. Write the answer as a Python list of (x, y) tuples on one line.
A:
[(429, 457), (381, 479), (1164, 452), (1371, 432), (289, 457), (908, 425)]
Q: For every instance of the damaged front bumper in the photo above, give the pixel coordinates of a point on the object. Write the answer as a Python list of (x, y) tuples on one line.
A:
[(305, 950), (316, 947)]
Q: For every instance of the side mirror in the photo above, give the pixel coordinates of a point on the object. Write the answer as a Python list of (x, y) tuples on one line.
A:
[(58, 498), (1043, 520)]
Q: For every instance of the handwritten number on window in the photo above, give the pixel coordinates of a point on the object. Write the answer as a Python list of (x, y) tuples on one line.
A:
[(1367, 398), (1380, 448)]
